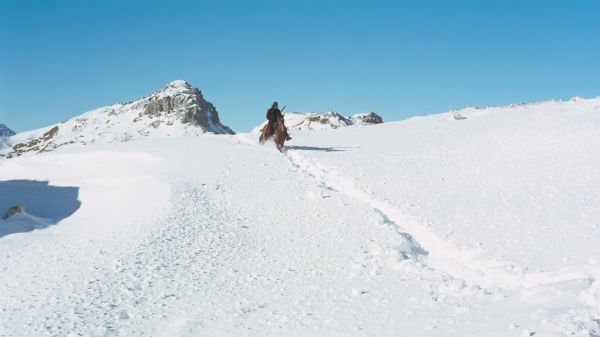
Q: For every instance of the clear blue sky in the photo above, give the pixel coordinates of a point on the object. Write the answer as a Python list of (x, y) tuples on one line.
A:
[(59, 58)]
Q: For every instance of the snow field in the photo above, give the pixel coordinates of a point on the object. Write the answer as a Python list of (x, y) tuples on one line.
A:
[(426, 227)]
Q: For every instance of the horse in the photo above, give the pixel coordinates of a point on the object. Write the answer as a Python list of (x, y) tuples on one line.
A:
[(277, 130)]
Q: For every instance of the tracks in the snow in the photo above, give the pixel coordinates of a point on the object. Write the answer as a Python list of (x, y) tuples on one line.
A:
[(461, 263)]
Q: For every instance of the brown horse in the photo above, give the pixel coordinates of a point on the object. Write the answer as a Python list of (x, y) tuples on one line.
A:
[(277, 130)]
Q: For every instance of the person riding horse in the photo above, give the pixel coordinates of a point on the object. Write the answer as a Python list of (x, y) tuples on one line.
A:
[(272, 114)]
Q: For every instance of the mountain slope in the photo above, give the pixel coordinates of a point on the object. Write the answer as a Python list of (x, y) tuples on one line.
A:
[(178, 109), (432, 226)]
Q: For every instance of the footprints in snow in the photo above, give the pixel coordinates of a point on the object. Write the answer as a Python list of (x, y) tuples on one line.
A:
[(409, 248)]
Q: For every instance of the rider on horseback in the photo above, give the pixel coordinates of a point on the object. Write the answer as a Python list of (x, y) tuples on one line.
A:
[(272, 115)]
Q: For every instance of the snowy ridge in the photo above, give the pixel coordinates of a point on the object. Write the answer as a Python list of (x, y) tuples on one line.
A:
[(324, 120), (178, 109), (573, 105)]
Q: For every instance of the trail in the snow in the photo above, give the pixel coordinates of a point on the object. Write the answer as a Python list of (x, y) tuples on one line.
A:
[(461, 263), (464, 263), (258, 243)]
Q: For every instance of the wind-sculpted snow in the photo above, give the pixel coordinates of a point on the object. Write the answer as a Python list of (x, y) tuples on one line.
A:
[(46, 205)]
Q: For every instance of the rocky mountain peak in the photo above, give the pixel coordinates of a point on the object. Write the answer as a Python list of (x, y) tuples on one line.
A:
[(180, 101), (177, 109), (5, 132), (179, 83)]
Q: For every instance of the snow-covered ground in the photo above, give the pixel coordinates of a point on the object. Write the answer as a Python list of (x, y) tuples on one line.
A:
[(486, 226)]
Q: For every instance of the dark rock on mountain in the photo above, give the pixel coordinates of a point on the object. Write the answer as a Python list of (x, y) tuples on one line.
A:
[(366, 118), (5, 132)]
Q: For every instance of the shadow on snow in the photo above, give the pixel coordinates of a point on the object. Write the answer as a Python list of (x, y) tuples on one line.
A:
[(315, 148), (46, 205)]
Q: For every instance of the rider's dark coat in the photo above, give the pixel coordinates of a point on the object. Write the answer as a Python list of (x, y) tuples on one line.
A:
[(272, 114)]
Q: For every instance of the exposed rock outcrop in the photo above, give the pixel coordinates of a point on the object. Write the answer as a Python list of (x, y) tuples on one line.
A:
[(316, 120), (185, 103), (5, 132), (366, 118), (325, 120), (14, 210)]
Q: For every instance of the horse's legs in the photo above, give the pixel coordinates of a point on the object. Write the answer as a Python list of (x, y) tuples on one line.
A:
[(279, 141), (263, 134)]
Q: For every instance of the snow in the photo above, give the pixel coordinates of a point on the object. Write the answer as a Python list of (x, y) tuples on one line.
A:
[(426, 227), (322, 120), (164, 113), (174, 88)]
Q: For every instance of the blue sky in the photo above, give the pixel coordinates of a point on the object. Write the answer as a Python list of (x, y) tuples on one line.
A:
[(59, 59)]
